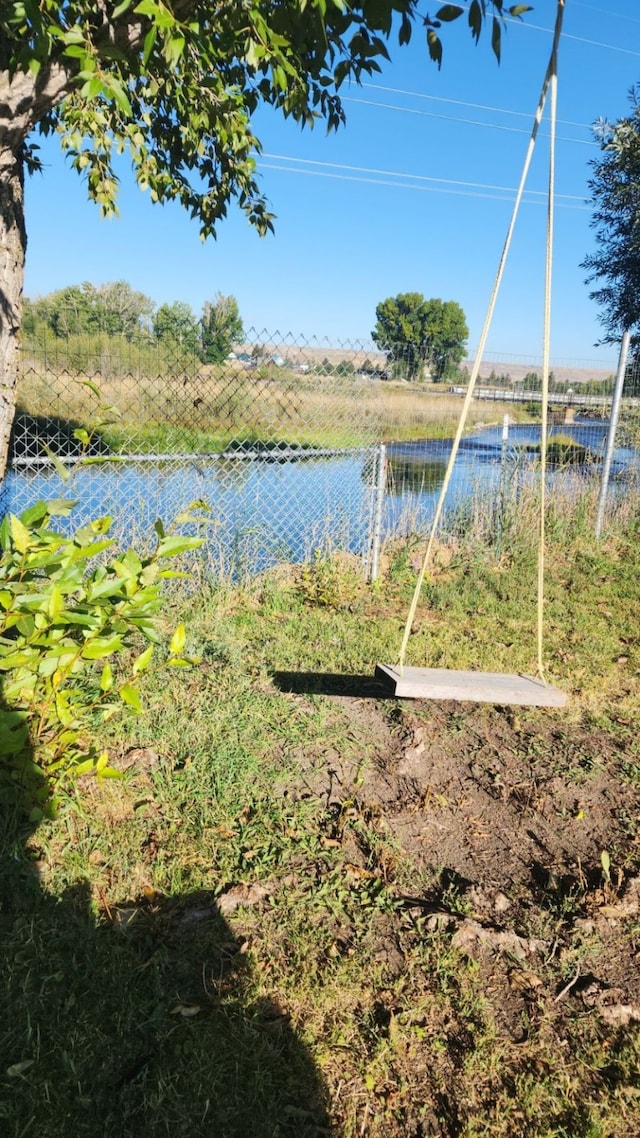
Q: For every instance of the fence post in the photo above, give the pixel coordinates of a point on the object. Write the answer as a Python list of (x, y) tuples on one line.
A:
[(376, 536), (613, 426)]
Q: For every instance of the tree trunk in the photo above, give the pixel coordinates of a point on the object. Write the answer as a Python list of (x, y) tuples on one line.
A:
[(13, 242), (24, 100)]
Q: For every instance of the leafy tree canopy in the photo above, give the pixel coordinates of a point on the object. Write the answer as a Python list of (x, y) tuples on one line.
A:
[(221, 328), (115, 308), (175, 82), (177, 322), (415, 332), (615, 197)]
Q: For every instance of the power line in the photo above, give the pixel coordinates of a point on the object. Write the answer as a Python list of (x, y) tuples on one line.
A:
[(576, 39), (415, 177), (455, 118), (614, 15), (568, 35), (466, 193), (462, 103)]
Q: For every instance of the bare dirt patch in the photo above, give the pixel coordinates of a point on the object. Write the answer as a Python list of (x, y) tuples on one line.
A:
[(515, 837)]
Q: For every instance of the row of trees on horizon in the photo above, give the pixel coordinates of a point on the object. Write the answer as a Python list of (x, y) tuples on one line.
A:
[(418, 336), (116, 309)]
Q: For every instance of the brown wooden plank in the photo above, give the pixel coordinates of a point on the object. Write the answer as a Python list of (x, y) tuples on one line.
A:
[(478, 687)]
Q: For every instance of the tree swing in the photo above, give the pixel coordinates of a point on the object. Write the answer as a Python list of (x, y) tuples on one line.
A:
[(495, 687)]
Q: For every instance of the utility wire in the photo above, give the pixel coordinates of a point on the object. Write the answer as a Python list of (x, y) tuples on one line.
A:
[(611, 15), (417, 177), (576, 39), (566, 35), (454, 118), (463, 103), (465, 193)]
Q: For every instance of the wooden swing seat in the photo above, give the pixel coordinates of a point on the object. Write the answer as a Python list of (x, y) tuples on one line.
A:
[(477, 687)]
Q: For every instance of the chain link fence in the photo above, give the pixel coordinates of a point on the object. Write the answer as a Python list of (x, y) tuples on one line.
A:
[(283, 439)]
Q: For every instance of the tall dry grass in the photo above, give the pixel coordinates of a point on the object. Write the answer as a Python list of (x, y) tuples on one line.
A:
[(209, 410)]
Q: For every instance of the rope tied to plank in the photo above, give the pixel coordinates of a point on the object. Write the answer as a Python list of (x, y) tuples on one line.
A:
[(549, 85)]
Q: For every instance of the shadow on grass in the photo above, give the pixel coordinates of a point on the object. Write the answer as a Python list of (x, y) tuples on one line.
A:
[(141, 1018), (331, 683)]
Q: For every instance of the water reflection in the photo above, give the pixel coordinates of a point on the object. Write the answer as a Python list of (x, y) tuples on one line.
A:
[(414, 475)]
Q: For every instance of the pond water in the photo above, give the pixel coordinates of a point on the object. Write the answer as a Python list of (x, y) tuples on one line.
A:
[(266, 511)]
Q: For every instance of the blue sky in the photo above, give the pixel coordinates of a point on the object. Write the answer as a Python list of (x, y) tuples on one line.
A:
[(414, 194)]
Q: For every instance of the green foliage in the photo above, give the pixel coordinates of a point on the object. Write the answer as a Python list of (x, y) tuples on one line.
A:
[(615, 197), (415, 332), (326, 582), (221, 328), (115, 309), (477, 13), (71, 626), (177, 85), (177, 324)]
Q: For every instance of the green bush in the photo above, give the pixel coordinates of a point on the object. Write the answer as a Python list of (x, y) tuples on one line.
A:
[(73, 627)]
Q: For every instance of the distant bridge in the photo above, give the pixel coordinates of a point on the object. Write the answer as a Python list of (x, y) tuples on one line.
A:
[(574, 399)]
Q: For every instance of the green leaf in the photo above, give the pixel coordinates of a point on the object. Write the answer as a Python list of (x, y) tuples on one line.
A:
[(62, 709), (496, 36), (178, 641), (172, 546), (101, 646), (141, 663), (475, 19), (60, 507), (449, 12), (174, 47), (91, 550), (435, 47), (149, 43), (35, 513), (189, 515), (404, 34), (85, 767), (62, 471), (56, 602), (20, 534), (110, 587), (18, 660), (517, 10), (106, 679), (131, 696), (92, 387)]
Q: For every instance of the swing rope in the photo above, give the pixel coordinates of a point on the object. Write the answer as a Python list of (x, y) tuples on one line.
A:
[(550, 83)]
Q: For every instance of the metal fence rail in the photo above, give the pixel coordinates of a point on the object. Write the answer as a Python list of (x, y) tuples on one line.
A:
[(282, 438)]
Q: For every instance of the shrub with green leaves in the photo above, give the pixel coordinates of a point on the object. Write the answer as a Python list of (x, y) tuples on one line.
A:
[(77, 629)]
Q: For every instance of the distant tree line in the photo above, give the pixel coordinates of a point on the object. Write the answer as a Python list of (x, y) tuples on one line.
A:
[(117, 310)]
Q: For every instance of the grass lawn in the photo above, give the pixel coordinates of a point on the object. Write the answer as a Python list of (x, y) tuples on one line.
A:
[(307, 910)]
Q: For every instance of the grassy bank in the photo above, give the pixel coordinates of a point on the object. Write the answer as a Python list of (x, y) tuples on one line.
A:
[(310, 910), (206, 412)]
